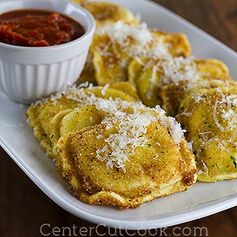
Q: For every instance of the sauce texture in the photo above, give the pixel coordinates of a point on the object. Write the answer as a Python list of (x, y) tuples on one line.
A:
[(38, 28)]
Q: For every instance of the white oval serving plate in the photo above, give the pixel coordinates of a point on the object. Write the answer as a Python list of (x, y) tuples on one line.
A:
[(201, 200)]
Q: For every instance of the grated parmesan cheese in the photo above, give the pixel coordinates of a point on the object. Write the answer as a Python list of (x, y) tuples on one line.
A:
[(198, 98), (104, 90), (130, 120), (224, 108), (204, 167), (173, 126), (172, 70), (190, 145), (121, 31), (177, 69), (136, 41)]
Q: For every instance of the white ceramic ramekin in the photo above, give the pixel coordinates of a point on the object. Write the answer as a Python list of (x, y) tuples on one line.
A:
[(30, 73)]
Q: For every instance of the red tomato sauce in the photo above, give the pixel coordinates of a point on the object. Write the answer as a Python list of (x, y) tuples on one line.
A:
[(38, 28)]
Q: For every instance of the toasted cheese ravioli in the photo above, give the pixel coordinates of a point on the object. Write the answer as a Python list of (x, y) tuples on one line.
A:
[(210, 117), (109, 13), (49, 117), (114, 46), (151, 75), (104, 13), (173, 94), (134, 155)]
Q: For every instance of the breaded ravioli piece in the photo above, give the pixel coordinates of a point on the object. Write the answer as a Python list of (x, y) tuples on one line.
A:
[(109, 13), (136, 154), (116, 45), (47, 116), (173, 94), (210, 118), (104, 13), (151, 75)]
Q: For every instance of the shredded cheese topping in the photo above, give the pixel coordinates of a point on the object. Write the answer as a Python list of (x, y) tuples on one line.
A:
[(136, 41), (174, 69), (130, 121), (179, 69), (224, 107), (121, 31)]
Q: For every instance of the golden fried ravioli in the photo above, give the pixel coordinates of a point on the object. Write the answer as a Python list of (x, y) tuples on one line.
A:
[(104, 13), (210, 118), (151, 75), (49, 118), (115, 46), (136, 154), (173, 94), (109, 13)]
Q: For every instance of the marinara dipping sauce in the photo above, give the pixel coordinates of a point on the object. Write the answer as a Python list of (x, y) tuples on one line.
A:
[(38, 28)]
